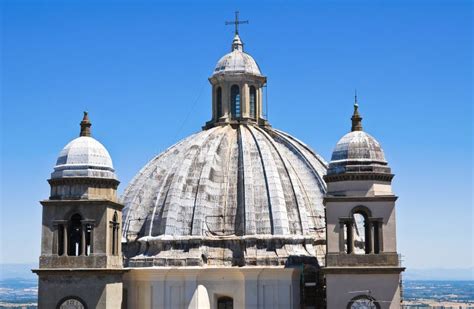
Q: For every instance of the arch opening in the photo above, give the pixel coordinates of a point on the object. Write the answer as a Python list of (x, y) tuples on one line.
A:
[(361, 232), (75, 236), (235, 101), (253, 102)]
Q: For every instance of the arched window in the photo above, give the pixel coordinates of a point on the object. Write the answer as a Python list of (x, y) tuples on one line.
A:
[(75, 236), (235, 101), (225, 302), (218, 102), (360, 232), (114, 226), (253, 102)]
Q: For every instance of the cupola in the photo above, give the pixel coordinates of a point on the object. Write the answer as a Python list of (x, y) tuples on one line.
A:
[(357, 152), (237, 87), (84, 163)]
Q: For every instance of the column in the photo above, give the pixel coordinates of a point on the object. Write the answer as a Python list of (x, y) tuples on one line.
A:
[(371, 235), (83, 239), (214, 102), (341, 237), (55, 248), (350, 237), (258, 102), (225, 100), (65, 248), (190, 288), (380, 234), (251, 278), (92, 239)]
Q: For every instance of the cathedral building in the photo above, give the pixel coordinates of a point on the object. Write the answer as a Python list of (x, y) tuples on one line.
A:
[(238, 215)]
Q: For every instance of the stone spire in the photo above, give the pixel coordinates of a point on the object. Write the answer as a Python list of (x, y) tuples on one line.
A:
[(85, 126), (356, 118)]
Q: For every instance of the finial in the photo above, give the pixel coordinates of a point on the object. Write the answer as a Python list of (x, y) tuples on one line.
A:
[(236, 22), (356, 118), (85, 125), (237, 43)]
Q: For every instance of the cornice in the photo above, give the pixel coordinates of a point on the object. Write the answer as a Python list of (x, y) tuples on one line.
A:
[(82, 202), (358, 176), (363, 270), (84, 180), (58, 271), (379, 198)]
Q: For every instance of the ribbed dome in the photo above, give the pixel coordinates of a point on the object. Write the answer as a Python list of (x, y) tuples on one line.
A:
[(357, 151), (84, 157), (243, 180), (237, 61)]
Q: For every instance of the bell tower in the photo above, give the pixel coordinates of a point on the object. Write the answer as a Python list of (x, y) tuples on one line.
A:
[(362, 264), (81, 260)]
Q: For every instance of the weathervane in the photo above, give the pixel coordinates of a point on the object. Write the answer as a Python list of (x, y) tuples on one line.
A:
[(236, 22)]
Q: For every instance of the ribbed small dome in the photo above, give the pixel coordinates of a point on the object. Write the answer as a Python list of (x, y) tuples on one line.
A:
[(84, 157), (237, 61), (243, 180), (357, 151)]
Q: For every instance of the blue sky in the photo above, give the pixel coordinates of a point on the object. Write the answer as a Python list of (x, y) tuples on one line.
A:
[(140, 68)]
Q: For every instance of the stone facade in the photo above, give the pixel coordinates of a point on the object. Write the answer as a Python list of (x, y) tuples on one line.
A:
[(200, 288)]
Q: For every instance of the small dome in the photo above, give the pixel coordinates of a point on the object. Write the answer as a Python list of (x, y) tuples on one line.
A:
[(84, 157), (357, 151), (237, 61)]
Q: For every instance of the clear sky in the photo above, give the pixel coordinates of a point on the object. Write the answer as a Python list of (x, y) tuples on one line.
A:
[(140, 68)]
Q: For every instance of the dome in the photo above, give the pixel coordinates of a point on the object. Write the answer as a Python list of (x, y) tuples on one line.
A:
[(212, 173), (229, 182), (84, 157), (237, 61), (357, 152)]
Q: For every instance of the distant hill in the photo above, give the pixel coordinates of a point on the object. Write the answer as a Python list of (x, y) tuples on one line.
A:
[(20, 271)]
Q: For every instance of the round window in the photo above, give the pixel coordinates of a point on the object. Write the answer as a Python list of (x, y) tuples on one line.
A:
[(71, 303), (363, 302)]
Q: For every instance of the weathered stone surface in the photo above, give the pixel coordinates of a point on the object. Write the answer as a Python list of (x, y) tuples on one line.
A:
[(227, 181)]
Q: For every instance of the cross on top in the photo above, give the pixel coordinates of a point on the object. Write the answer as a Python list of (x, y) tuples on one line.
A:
[(236, 22)]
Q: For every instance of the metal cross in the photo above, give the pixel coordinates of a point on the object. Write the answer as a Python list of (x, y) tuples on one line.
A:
[(236, 22)]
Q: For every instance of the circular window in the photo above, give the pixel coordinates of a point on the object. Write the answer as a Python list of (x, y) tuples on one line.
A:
[(71, 303), (363, 302)]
